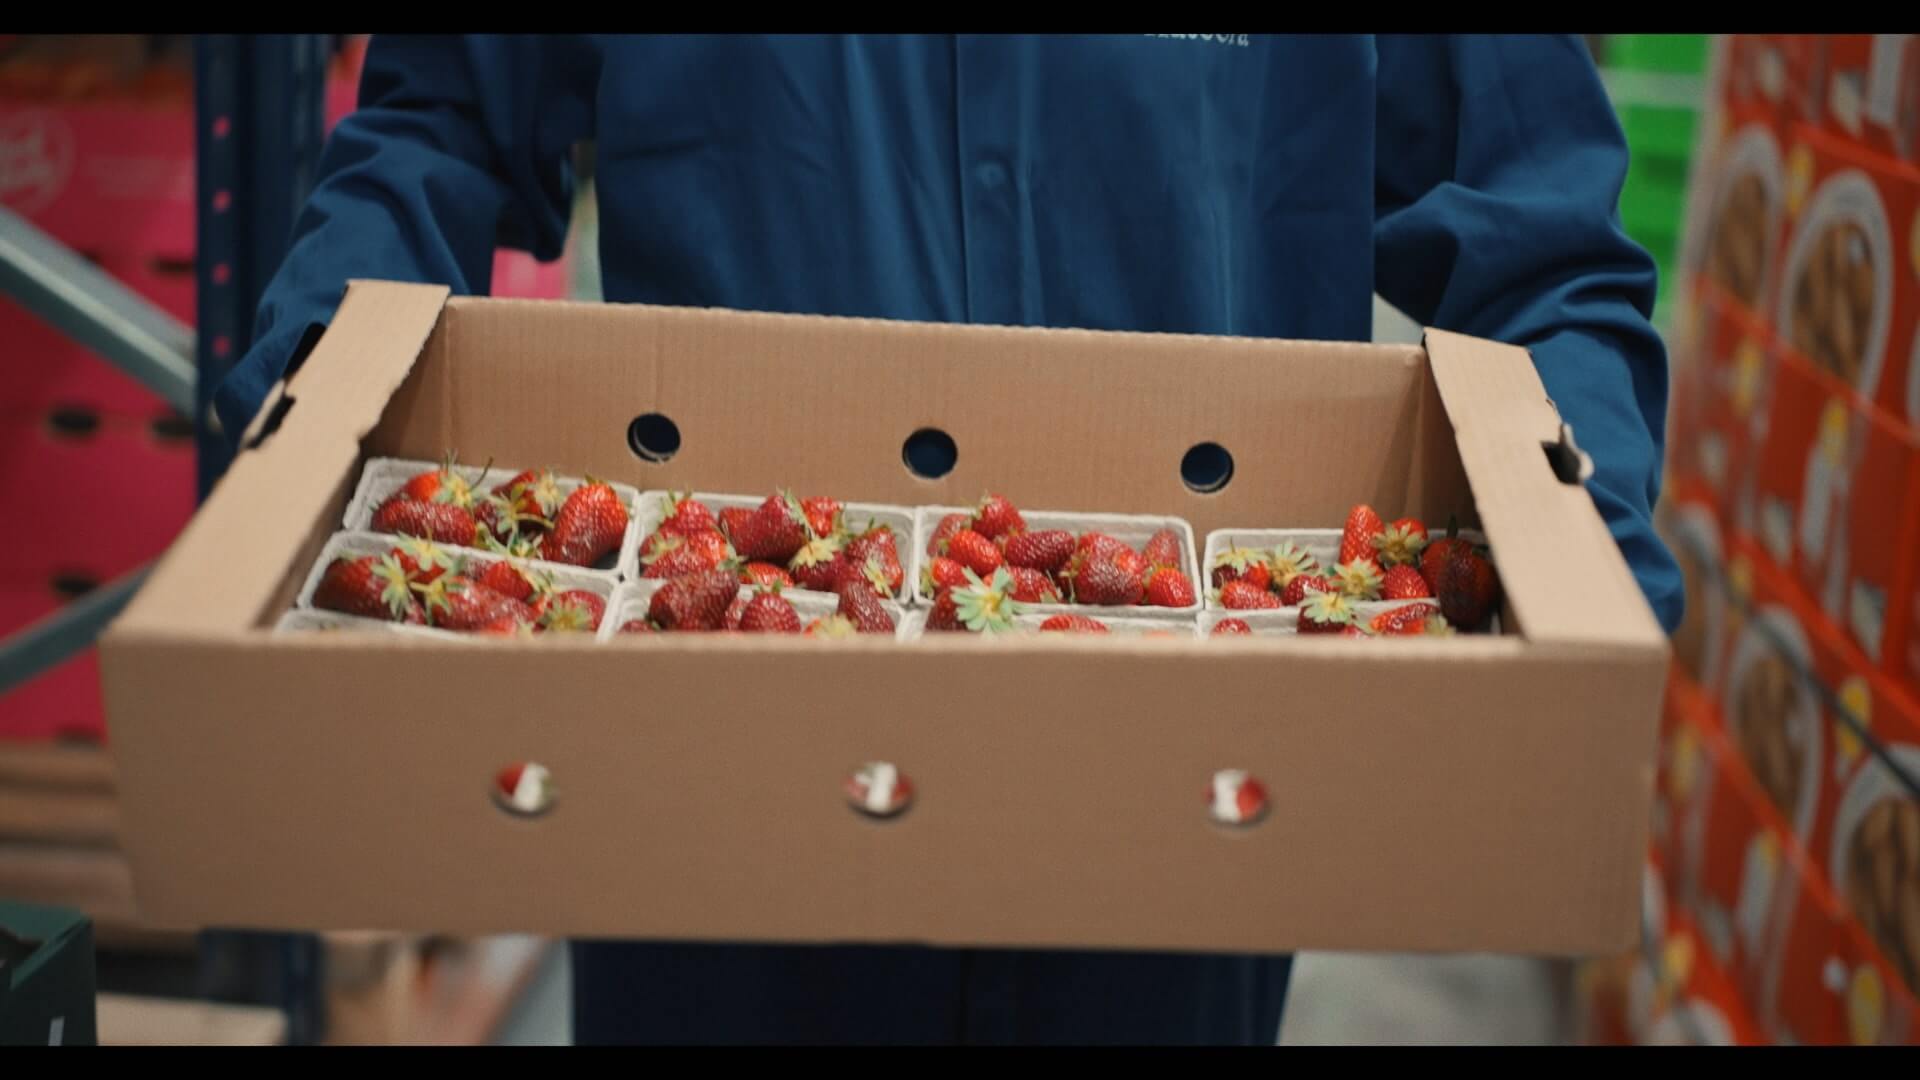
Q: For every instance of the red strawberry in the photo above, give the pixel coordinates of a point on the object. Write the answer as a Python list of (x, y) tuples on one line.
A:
[(1229, 627), (687, 515), (1032, 587), (371, 586), (458, 603), (1437, 552), (1357, 539), (1164, 549), (1108, 577), (1303, 586), (1403, 582), (817, 564), (769, 613), (1401, 543), (774, 531), (574, 609), (1289, 560), (1047, 550), (764, 574), (941, 573), (952, 523), (877, 543), (735, 611), (1326, 613), (986, 606), (1074, 624), (1236, 563), (1468, 589), (441, 522), (731, 520), (674, 556), (636, 626), (823, 515), (1167, 587), (1098, 543), (588, 527), (1243, 595), (503, 626), (975, 552), (995, 517), (1355, 630), (424, 560), (526, 501), (697, 602), (1360, 579), (945, 615), (507, 580), (831, 626), (441, 485), (863, 608), (1403, 620)]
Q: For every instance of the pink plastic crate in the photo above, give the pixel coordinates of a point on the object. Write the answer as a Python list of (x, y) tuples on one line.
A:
[(108, 179), (103, 503), (61, 703)]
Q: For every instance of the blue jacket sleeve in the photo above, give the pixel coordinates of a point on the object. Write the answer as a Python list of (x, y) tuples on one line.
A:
[(1498, 177), (460, 145)]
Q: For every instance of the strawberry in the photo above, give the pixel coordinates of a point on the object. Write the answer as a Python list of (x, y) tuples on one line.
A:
[(520, 545), (1403, 620), (985, 606), (878, 543), (823, 515), (863, 608), (945, 615), (1243, 595), (1303, 586), (735, 611), (686, 514), (674, 556), (831, 626), (424, 560), (769, 613), (1163, 549), (1359, 580), (1030, 586), (504, 626), (371, 586), (763, 574), (441, 522), (1403, 582), (458, 603), (526, 501), (1047, 550), (1167, 587), (975, 552), (1437, 552), (817, 564), (1357, 539), (952, 523), (507, 580), (588, 526), (1468, 589), (732, 519), (1326, 613), (1401, 543), (574, 609), (636, 626), (441, 485), (1437, 626), (1355, 630), (996, 517), (697, 602), (1108, 577), (774, 531), (1236, 563), (1074, 624), (941, 573), (1289, 560), (1098, 543), (1229, 627)]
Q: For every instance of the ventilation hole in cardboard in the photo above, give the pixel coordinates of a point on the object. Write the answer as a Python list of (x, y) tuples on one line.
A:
[(654, 436), (73, 586), (171, 428), (1206, 468), (73, 421), (879, 790), (929, 453), (524, 789), (1236, 797)]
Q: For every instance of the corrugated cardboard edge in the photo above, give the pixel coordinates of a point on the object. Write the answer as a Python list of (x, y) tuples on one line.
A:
[(1538, 526)]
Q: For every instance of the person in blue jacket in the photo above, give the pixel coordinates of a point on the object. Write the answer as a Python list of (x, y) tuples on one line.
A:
[(1242, 184)]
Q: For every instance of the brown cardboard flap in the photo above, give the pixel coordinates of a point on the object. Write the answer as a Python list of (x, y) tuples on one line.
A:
[(236, 550), (1538, 526)]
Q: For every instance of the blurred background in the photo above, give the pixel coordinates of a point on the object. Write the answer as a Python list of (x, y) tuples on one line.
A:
[(147, 183)]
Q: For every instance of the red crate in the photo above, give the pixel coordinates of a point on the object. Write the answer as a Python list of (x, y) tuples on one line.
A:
[(103, 503), (61, 703), (108, 180)]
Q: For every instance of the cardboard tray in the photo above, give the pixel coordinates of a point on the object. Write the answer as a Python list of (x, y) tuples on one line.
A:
[(1480, 793)]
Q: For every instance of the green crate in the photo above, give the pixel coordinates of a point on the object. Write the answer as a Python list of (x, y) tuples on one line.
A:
[(1660, 131), (1671, 54), (1644, 211)]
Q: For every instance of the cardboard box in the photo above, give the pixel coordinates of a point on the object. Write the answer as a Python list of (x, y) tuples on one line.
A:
[(1734, 237), (1877, 544), (1671, 991), (1850, 272), (1831, 987), (1771, 75), (1692, 527), (1503, 781), (1870, 91), (1724, 398), (46, 976), (1802, 467)]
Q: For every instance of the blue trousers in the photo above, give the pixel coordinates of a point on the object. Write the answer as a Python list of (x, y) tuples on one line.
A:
[(658, 994)]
